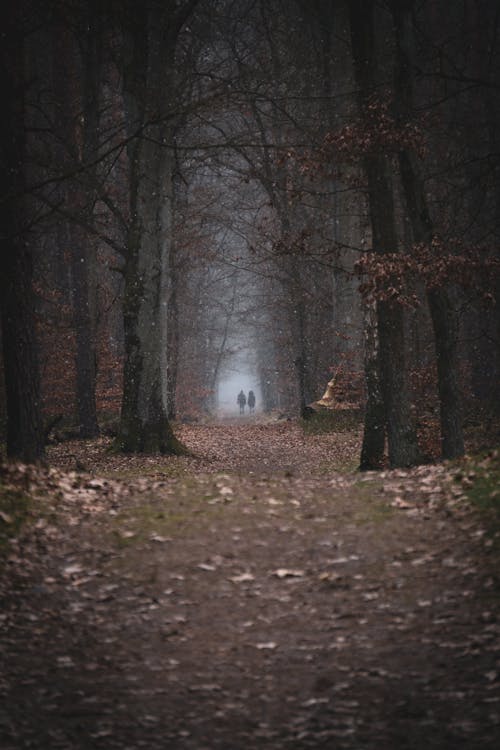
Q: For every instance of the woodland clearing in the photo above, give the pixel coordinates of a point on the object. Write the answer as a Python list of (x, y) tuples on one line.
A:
[(258, 594)]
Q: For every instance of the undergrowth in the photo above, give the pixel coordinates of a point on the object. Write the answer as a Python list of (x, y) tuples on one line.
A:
[(331, 420), (14, 511), (480, 479)]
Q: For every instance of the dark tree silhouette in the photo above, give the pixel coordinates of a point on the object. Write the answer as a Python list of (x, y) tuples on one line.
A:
[(403, 449), (24, 423)]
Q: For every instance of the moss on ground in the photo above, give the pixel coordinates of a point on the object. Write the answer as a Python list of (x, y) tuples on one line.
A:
[(375, 512), (147, 521), (14, 511), (347, 466), (480, 478), (155, 471), (329, 420)]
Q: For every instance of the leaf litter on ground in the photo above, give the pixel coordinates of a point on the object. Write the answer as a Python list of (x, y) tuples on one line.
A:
[(152, 621)]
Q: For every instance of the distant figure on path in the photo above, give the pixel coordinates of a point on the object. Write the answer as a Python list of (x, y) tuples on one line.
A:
[(242, 399), (251, 401)]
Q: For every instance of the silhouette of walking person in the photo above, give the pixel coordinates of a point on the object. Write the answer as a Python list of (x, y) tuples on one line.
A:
[(251, 401), (242, 399)]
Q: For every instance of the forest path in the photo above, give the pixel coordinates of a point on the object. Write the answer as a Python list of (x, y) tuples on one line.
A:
[(253, 597)]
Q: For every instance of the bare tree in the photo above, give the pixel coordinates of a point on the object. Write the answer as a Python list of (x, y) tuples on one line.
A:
[(403, 449), (24, 423), (149, 39), (440, 300)]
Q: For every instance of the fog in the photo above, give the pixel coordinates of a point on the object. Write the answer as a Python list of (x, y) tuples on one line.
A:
[(232, 384)]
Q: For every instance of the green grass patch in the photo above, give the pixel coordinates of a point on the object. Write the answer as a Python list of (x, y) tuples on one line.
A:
[(374, 512), (480, 478), (174, 469), (371, 508), (484, 490), (329, 420), (341, 466), (14, 511), (146, 521)]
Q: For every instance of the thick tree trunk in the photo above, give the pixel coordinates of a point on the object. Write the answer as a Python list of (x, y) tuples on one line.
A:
[(144, 420), (86, 283), (24, 422), (144, 425), (401, 433), (444, 321), (297, 310), (443, 314), (79, 146), (446, 331)]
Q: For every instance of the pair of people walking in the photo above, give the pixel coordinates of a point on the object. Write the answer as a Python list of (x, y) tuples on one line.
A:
[(242, 401)]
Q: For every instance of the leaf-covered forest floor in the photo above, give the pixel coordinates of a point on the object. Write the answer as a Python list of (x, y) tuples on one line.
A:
[(258, 595)]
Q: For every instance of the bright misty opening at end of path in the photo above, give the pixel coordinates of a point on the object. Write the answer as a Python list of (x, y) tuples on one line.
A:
[(241, 378)]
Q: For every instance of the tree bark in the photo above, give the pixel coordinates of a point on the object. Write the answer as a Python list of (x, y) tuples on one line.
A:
[(443, 315), (24, 422), (144, 425), (372, 449), (401, 433), (86, 341), (77, 118), (85, 356)]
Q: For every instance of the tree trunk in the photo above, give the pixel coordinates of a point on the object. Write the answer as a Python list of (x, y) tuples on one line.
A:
[(301, 362), (173, 342), (443, 315), (84, 335), (144, 425), (175, 272), (401, 433), (372, 450), (92, 60), (24, 422), (144, 420), (79, 104)]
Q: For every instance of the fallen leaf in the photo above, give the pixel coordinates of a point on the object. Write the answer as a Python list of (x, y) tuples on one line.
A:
[(398, 502), (242, 578), (160, 539), (315, 702), (333, 579), (126, 534), (288, 573), (273, 501), (65, 661), (70, 570)]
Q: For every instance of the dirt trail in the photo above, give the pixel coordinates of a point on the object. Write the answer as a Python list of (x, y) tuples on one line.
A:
[(250, 598)]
